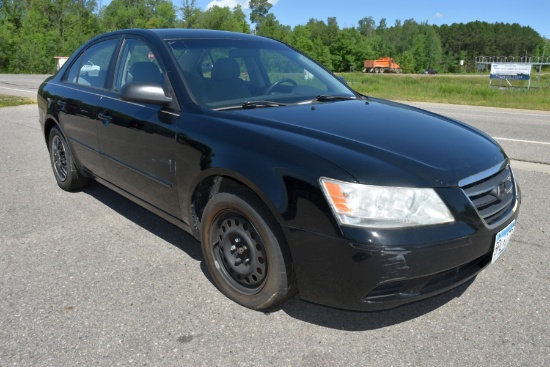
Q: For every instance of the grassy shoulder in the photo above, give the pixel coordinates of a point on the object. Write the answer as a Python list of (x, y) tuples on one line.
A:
[(453, 89), (6, 100)]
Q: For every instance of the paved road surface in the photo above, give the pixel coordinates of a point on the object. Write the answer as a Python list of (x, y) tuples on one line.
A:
[(524, 134), (91, 279), (20, 84)]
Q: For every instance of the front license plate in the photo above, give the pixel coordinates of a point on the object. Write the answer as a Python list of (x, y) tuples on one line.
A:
[(502, 239)]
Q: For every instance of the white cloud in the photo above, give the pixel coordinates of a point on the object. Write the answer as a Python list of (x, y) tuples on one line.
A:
[(439, 15), (233, 3), (227, 3)]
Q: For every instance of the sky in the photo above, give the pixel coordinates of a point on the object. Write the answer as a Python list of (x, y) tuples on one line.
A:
[(532, 13)]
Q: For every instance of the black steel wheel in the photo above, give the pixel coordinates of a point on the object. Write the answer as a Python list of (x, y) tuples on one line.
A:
[(65, 172), (245, 252)]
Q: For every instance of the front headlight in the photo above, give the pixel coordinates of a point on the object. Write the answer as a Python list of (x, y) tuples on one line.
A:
[(384, 207)]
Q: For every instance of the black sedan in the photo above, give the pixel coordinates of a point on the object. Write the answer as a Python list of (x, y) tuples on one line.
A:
[(290, 179), (430, 71)]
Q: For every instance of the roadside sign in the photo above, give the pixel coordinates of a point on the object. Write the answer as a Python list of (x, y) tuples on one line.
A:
[(511, 71), (151, 56)]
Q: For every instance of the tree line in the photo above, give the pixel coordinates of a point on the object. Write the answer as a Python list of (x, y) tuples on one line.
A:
[(33, 31)]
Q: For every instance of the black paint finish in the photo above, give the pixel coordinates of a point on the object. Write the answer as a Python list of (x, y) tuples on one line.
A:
[(169, 157)]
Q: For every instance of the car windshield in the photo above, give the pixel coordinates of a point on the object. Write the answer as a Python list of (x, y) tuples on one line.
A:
[(224, 74)]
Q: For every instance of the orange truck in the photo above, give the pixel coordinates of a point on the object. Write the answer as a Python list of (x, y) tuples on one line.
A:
[(382, 65)]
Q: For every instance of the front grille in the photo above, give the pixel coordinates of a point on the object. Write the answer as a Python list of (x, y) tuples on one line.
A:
[(493, 196)]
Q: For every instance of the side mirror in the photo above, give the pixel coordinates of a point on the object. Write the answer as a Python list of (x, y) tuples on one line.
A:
[(144, 92)]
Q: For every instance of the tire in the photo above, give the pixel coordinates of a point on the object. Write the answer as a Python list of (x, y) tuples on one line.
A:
[(245, 251), (64, 169)]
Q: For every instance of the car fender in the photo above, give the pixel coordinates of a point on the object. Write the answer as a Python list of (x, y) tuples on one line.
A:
[(284, 175)]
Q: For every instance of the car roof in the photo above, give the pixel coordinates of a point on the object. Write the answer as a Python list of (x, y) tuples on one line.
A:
[(175, 33), (178, 33)]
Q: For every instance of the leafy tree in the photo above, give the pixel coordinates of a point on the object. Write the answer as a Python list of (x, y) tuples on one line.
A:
[(33, 31), (12, 12), (121, 14), (367, 26), (162, 14), (272, 28), (258, 11), (301, 39), (433, 49), (349, 50), (191, 14), (407, 62), (33, 52), (321, 53), (419, 52), (224, 19)]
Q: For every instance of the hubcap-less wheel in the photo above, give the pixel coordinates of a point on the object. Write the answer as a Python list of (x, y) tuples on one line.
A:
[(239, 252), (59, 159), (245, 251)]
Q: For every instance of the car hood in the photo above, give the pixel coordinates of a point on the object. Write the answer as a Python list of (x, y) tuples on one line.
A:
[(382, 142)]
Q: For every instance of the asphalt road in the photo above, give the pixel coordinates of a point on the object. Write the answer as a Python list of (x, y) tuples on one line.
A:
[(524, 134), (20, 84), (91, 279)]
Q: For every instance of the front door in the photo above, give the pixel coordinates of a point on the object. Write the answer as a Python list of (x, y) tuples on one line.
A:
[(137, 141)]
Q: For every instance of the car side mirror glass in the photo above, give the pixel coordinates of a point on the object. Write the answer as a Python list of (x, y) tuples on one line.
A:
[(144, 92)]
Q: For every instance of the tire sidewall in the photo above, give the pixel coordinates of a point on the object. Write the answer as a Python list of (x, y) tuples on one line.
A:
[(73, 179), (276, 284)]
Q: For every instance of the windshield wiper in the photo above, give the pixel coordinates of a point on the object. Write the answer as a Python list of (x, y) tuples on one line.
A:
[(327, 98), (250, 105), (254, 104)]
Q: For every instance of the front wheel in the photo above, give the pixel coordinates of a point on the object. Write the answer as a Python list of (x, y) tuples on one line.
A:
[(65, 172), (245, 251)]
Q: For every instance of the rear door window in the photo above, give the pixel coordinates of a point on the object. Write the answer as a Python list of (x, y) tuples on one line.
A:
[(91, 67)]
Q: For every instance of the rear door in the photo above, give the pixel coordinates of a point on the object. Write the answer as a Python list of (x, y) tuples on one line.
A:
[(137, 141), (79, 93)]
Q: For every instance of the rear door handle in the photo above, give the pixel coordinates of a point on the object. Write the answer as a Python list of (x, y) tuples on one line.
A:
[(105, 118)]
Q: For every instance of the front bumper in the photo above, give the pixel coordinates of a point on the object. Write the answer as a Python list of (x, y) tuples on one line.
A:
[(389, 268)]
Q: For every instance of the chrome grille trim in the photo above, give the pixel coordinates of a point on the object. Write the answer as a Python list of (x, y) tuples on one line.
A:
[(493, 196)]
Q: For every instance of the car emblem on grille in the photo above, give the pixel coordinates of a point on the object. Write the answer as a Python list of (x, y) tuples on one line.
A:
[(499, 191)]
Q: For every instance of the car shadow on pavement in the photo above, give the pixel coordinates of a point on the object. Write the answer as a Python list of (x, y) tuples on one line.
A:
[(295, 307), (145, 219)]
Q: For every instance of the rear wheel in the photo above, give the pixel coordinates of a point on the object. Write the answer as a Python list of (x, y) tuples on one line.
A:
[(65, 172), (245, 251)]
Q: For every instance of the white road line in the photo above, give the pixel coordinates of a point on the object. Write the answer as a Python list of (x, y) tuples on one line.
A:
[(542, 114), (524, 141), (466, 110), (19, 90)]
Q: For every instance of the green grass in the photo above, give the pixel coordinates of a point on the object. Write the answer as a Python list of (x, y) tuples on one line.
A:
[(6, 100), (454, 89)]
